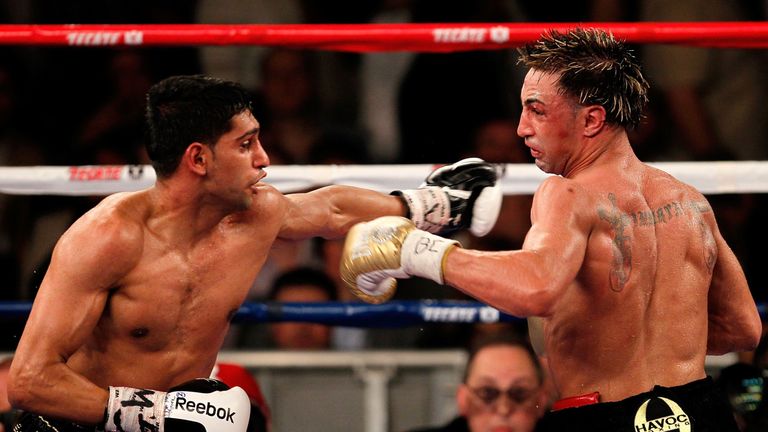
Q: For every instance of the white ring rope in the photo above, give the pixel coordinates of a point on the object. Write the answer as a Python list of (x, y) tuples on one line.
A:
[(709, 177)]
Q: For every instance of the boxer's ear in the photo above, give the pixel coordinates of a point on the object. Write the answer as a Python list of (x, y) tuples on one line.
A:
[(195, 158), (594, 120)]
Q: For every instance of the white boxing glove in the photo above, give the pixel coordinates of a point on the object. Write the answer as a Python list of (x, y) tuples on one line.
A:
[(462, 195), (200, 404), (378, 252)]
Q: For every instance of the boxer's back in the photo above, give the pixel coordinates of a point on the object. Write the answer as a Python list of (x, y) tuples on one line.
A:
[(637, 313)]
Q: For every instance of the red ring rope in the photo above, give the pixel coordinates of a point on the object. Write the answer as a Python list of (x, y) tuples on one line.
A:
[(378, 37)]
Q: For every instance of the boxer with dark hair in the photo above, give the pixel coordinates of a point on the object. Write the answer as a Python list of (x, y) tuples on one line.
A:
[(140, 291)]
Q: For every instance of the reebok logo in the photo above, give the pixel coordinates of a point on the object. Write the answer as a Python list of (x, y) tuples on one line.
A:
[(208, 409)]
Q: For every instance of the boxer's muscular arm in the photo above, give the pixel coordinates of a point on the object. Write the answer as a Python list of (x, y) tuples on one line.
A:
[(527, 282), (734, 322), (89, 259), (330, 211)]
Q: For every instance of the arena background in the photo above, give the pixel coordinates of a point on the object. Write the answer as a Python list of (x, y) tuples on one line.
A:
[(75, 103)]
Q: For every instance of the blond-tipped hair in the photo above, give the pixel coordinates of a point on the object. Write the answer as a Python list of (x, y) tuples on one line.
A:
[(595, 69)]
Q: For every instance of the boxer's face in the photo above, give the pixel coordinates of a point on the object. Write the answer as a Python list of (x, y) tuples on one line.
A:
[(501, 371), (548, 122), (238, 162)]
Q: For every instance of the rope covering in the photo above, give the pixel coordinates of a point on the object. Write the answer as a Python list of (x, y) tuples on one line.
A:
[(708, 177), (391, 314), (377, 37), (398, 313)]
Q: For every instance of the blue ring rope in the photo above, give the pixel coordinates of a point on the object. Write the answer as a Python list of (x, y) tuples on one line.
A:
[(390, 314), (401, 313)]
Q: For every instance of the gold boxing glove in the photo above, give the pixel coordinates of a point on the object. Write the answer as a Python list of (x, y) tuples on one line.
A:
[(378, 252)]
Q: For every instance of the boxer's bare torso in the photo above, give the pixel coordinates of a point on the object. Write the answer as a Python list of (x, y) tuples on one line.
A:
[(636, 314), (624, 270), (165, 318), (140, 292), (141, 289), (627, 277)]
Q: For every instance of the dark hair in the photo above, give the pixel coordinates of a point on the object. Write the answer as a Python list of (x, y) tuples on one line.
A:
[(502, 339), (186, 109), (595, 69), (305, 276)]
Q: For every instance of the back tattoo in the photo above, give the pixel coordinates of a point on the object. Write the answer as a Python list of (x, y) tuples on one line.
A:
[(621, 267)]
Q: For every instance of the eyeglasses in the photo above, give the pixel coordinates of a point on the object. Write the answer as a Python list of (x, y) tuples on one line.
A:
[(520, 396)]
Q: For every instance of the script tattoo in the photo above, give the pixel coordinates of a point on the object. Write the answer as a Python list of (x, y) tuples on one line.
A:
[(662, 214), (622, 248)]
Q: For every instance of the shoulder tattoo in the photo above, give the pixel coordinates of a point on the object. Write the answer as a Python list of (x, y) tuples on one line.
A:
[(621, 266), (622, 242)]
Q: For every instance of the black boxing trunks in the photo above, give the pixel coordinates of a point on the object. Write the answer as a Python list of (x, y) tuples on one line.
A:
[(29, 422), (694, 407), (8, 419)]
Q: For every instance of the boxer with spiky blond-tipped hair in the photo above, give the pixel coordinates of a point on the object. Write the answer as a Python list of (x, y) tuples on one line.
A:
[(624, 274)]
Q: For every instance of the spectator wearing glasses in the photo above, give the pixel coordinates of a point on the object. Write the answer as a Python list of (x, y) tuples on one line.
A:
[(503, 388)]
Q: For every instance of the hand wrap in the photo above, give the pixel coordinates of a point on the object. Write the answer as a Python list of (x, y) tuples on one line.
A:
[(201, 404), (458, 196)]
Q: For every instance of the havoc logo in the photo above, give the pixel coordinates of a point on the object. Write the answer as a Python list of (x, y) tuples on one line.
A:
[(663, 421)]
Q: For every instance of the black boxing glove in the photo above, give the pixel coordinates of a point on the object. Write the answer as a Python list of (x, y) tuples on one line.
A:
[(199, 405), (453, 197)]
